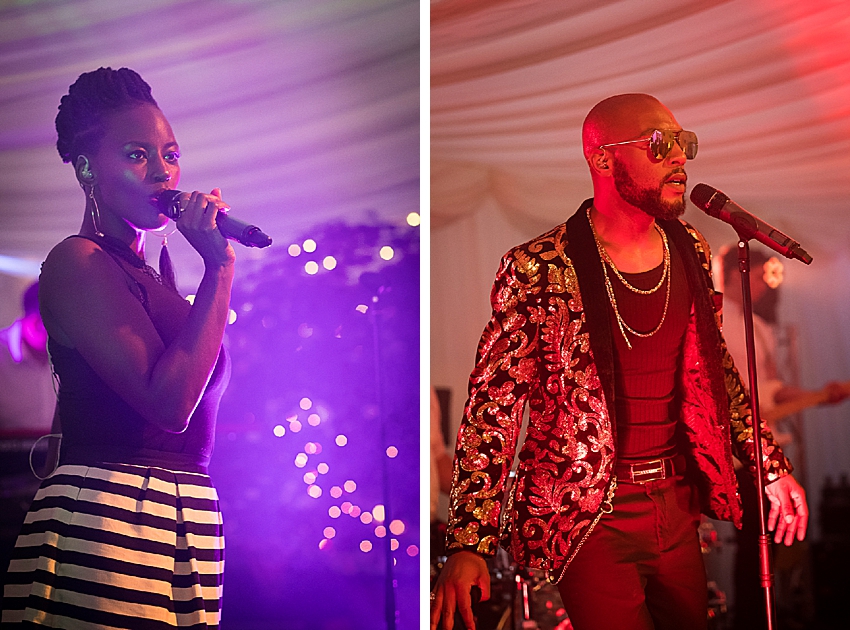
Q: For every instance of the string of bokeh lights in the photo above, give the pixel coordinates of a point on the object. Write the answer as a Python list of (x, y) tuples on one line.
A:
[(316, 469)]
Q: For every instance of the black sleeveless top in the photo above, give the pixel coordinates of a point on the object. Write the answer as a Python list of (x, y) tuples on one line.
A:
[(98, 426)]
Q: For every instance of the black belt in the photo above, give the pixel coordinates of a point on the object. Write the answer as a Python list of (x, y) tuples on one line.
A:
[(650, 469)]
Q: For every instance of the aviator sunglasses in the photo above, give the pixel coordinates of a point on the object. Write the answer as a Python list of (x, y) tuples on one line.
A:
[(661, 143)]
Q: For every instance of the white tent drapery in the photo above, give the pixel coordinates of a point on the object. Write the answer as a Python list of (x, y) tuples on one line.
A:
[(301, 112)]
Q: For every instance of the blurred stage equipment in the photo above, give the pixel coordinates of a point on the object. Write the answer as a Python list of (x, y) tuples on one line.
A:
[(525, 599), (831, 556)]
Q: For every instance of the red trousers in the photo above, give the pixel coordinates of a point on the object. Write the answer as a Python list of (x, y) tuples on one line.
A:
[(641, 568)]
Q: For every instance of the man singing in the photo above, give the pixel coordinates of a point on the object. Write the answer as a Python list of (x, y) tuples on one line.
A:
[(607, 326)]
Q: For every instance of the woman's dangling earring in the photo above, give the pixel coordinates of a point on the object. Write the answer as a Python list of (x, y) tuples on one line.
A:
[(95, 212), (166, 268)]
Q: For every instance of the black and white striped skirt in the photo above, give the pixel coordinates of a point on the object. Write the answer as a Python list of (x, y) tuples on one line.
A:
[(118, 546)]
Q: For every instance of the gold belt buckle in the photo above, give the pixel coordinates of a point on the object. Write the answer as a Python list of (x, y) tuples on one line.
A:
[(649, 471)]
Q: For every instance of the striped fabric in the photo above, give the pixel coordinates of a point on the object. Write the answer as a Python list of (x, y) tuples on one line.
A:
[(118, 546)]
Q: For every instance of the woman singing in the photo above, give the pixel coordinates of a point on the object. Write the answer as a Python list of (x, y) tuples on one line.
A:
[(126, 532)]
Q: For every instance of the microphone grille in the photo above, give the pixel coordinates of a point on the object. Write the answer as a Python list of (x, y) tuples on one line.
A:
[(701, 195), (168, 203)]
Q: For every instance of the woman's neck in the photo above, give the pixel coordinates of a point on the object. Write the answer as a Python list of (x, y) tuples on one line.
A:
[(108, 224)]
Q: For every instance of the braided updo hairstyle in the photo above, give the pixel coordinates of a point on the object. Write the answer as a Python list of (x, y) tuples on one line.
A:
[(90, 100)]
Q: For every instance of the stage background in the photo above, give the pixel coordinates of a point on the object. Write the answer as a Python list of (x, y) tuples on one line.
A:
[(764, 84), (306, 114)]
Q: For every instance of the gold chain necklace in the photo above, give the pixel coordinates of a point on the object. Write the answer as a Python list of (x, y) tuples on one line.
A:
[(665, 274)]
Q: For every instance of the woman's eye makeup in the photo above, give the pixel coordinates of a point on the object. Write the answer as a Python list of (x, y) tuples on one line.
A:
[(140, 154)]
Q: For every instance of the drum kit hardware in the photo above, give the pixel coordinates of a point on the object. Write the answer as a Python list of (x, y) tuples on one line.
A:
[(525, 599), (520, 599)]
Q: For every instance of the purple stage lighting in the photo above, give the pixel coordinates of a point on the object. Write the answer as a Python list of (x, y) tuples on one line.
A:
[(317, 460)]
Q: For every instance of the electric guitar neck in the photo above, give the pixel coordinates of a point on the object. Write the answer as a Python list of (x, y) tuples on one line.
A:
[(797, 405)]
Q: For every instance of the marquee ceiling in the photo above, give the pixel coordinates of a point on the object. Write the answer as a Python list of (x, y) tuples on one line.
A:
[(301, 111)]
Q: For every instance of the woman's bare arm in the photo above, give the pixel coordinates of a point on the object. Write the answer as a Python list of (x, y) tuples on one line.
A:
[(86, 305)]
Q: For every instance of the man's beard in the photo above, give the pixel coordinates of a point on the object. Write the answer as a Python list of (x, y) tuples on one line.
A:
[(647, 199)]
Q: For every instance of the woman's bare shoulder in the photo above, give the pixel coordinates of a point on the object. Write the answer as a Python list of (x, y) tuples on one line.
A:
[(71, 249), (77, 259), (78, 281)]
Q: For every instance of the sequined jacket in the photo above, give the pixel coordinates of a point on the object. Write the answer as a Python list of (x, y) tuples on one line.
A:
[(549, 346)]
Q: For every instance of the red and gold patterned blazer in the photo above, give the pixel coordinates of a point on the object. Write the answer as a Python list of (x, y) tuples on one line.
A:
[(549, 345)]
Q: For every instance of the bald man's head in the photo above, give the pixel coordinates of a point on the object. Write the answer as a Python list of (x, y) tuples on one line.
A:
[(619, 118), (625, 173)]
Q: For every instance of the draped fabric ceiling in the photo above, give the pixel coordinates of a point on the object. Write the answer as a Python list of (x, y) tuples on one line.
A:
[(304, 113), (300, 111), (763, 83)]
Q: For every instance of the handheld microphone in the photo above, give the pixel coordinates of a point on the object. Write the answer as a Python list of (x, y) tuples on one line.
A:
[(715, 203), (168, 202)]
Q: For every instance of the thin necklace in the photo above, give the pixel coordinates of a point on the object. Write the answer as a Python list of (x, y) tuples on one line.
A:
[(607, 261), (124, 252)]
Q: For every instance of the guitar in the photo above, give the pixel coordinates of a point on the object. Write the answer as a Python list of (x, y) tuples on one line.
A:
[(810, 399)]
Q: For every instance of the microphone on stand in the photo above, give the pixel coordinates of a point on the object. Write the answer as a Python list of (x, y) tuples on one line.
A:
[(168, 202), (715, 203)]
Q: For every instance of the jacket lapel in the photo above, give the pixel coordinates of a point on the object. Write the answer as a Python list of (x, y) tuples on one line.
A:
[(708, 337), (581, 249)]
